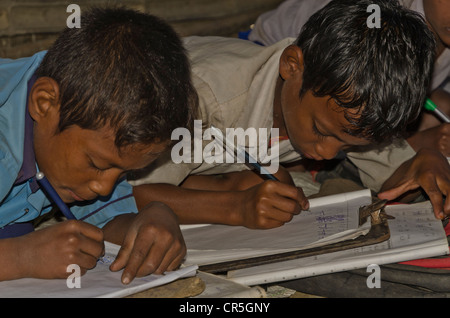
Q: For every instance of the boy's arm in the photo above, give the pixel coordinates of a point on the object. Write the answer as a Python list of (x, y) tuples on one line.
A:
[(240, 198), (151, 241)]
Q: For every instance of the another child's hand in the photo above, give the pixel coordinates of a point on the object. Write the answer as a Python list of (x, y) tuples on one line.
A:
[(48, 252), (267, 204), (437, 138), (153, 244), (271, 204), (428, 170)]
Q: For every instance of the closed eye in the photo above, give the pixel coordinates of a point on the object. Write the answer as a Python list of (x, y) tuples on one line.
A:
[(94, 166), (317, 131)]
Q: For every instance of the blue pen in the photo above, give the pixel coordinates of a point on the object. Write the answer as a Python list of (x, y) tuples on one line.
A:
[(229, 146), (47, 187)]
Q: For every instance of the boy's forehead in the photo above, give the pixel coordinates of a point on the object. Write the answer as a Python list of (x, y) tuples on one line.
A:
[(150, 151), (100, 145)]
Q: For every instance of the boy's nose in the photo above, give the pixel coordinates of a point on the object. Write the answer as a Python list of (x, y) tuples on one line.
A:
[(328, 150), (104, 185)]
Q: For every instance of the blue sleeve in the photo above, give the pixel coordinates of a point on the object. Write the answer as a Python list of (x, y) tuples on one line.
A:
[(104, 209)]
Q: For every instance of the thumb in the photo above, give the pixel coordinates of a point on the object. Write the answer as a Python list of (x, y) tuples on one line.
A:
[(397, 191)]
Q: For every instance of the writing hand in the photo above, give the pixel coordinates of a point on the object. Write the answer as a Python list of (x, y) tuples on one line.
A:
[(271, 204), (48, 252)]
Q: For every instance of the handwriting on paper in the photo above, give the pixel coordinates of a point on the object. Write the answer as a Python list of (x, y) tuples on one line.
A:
[(330, 224)]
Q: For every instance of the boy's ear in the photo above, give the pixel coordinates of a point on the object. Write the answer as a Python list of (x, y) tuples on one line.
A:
[(291, 62), (44, 99)]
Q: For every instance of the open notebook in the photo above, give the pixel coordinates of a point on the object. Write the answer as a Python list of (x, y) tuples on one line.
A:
[(415, 233)]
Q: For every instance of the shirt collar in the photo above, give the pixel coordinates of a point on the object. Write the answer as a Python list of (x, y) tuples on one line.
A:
[(28, 170)]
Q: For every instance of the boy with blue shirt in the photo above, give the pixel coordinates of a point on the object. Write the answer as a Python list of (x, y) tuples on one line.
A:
[(100, 103)]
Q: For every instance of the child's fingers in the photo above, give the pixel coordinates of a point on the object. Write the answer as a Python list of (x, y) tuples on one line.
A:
[(86, 261), (431, 189), (397, 191), (157, 261), (291, 199), (287, 206), (170, 263), (86, 242), (120, 261), (436, 196), (123, 256), (447, 207), (302, 200), (91, 231), (164, 255), (135, 260), (436, 199), (137, 257), (92, 249)]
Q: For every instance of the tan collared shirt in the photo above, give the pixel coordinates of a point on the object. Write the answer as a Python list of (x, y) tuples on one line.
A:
[(235, 81)]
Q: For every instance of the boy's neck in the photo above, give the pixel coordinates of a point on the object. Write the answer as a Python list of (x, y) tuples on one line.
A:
[(28, 168), (278, 119), (440, 47)]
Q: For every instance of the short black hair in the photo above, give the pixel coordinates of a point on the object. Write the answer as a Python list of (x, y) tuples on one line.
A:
[(125, 69), (384, 72)]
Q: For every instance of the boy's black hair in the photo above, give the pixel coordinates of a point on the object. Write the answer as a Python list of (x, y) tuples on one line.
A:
[(384, 71), (125, 69)]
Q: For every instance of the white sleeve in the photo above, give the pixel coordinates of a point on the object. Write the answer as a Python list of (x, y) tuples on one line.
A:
[(377, 165)]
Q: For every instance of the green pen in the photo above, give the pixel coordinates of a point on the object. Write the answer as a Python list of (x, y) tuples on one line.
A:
[(431, 106)]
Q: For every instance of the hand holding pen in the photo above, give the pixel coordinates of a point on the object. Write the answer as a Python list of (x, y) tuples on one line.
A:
[(264, 205), (47, 253)]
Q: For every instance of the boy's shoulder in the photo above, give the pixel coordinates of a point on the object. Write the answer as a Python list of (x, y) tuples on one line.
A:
[(221, 52), (229, 65), (407, 3), (201, 47), (15, 72)]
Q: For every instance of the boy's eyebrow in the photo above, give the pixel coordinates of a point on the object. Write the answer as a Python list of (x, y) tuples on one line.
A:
[(156, 153), (94, 159), (327, 133), (343, 130)]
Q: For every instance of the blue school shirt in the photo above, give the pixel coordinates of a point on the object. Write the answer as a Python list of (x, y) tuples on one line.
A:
[(21, 199)]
